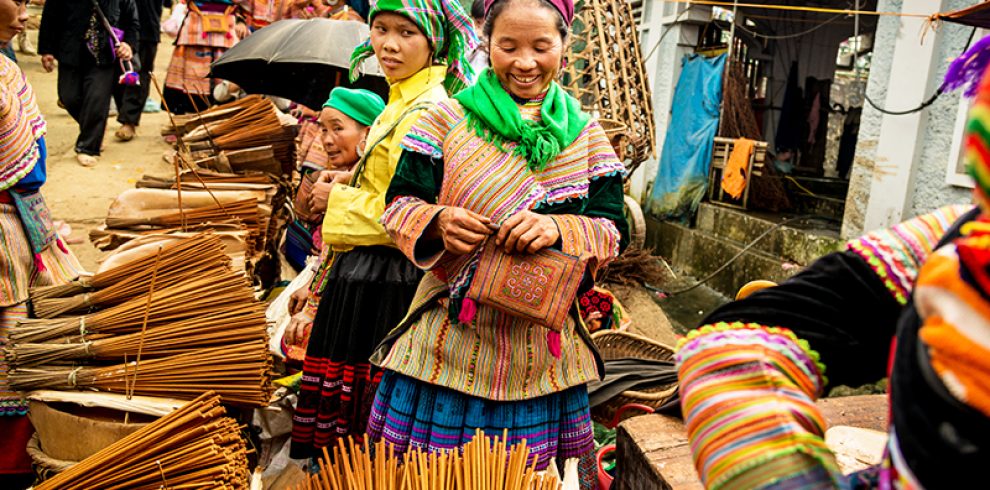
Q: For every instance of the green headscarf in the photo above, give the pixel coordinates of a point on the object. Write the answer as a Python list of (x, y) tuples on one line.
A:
[(361, 105), (446, 25), (495, 117)]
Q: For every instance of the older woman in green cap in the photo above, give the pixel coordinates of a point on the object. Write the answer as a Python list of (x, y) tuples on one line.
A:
[(344, 123), (421, 47)]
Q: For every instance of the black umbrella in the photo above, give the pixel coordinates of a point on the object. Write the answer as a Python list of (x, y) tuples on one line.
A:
[(301, 60)]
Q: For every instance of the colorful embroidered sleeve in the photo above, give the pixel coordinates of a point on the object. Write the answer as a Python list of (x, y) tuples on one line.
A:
[(748, 395), (895, 254), (412, 198)]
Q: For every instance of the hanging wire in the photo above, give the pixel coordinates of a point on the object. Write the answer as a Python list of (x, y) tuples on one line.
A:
[(670, 27), (924, 105), (773, 37)]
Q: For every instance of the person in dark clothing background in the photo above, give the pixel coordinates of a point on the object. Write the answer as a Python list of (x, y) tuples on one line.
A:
[(130, 99), (73, 33)]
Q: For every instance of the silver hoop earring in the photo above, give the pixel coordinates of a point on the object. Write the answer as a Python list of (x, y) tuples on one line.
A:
[(360, 147)]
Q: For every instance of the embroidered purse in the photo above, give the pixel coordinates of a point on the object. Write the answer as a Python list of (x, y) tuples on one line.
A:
[(214, 22), (538, 287)]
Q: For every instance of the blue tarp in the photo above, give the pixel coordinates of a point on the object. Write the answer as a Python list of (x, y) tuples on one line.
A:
[(687, 150)]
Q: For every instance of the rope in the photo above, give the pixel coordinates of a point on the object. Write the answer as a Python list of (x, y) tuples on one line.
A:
[(820, 10), (72, 377)]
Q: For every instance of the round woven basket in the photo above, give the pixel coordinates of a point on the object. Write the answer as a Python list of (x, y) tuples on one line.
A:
[(45, 466), (617, 344), (617, 133)]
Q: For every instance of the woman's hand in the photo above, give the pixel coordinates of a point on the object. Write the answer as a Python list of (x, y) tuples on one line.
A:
[(297, 301), (462, 231), (241, 29), (295, 332), (124, 51), (527, 231), (319, 196), (48, 62)]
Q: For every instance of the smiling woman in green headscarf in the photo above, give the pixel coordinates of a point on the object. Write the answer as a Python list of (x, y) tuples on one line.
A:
[(511, 163), (420, 45)]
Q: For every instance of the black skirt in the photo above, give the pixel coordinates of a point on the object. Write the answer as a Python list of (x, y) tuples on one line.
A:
[(368, 293)]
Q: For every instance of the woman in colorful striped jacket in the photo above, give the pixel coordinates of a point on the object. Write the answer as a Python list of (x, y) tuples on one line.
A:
[(512, 159)]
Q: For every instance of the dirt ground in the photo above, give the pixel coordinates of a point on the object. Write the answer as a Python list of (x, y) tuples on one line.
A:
[(78, 195)]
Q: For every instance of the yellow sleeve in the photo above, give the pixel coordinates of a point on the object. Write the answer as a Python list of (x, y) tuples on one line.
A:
[(353, 214)]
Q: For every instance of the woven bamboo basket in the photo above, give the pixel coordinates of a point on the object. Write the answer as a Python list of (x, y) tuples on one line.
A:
[(618, 344), (605, 72), (45, 466)]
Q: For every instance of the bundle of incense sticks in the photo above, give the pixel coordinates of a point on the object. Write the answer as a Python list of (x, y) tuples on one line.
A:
[(200, 297), (196, 446), (231, 325), (204, 330), (482, 464), (240, 373), (176, 262)]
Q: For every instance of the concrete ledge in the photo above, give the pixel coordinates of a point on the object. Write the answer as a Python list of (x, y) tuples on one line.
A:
[(653, 451)]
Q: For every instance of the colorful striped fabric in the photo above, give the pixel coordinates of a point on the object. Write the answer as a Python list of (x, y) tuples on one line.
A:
[(21, 125), (952, 302), (446, 25), (412, 414), (506, 360), (977, 142), (748, 394), (896, 253), (17, 269)]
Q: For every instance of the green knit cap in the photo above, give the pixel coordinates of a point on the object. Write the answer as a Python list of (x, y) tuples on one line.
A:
[(361, 105)]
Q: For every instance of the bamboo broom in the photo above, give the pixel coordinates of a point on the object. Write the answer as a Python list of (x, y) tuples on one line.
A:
[(196, 446), (481, 464), (240, 373)]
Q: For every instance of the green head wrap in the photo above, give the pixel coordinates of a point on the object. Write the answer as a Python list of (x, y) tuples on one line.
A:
[(361, 105)]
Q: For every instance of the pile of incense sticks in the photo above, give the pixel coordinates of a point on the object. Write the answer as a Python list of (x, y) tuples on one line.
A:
[(482, 464), (195, 446), (251, 122), (175, 323)]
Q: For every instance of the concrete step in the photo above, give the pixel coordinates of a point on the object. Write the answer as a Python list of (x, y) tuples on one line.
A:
[(722, 233), (797, 240)]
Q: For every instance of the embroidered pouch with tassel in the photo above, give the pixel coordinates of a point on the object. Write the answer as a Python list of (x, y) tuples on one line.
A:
[(36, 221), (539, 287)]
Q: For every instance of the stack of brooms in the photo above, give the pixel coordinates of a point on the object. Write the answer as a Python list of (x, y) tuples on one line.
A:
[(196, 446), (176, 323)]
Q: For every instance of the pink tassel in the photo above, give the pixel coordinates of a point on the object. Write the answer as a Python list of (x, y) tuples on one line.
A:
[(61, 245), (468, 311), (553, 343), (38, 263)]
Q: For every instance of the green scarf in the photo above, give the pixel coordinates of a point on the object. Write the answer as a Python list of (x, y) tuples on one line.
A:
[(495, 117)]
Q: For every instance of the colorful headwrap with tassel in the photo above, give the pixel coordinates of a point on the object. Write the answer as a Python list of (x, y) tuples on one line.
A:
[(446, 25)]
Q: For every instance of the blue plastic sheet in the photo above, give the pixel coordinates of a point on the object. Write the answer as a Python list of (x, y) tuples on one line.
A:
[(687, 150)]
